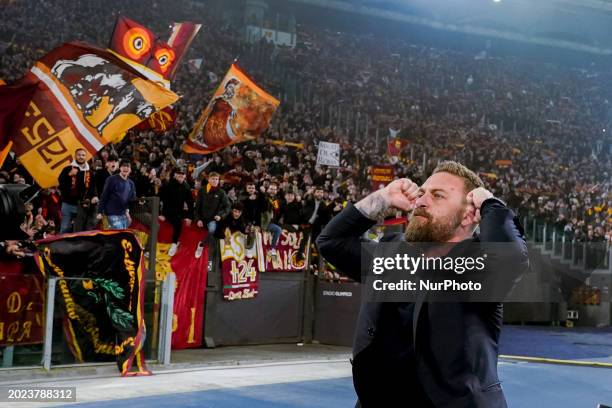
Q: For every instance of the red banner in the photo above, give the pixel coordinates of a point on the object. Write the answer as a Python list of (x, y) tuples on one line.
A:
[(22, 300), (191, 274), (381, 176), (239, 268), (286, 259)]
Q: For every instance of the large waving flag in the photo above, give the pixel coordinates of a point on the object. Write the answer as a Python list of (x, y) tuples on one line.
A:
[(180, 39), (132, 40), (137, 46), (85, 98), (14, 101), (163, 59), (239, 111)]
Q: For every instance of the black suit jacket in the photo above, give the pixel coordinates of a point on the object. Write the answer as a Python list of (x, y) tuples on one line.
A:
[(323, 212), (437, 354), (174, 196)]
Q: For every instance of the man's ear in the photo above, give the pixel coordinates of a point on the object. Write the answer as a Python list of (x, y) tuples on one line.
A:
[(469, 216)]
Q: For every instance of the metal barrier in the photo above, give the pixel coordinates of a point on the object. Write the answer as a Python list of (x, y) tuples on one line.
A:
[(146, 211), (584, 255), (166, 319), (63, 357)]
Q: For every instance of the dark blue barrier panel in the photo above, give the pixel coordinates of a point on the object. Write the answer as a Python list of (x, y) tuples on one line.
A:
[(336, 311), (275, 315)]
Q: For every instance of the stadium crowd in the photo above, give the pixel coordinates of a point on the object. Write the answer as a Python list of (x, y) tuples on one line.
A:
[(536, 132)]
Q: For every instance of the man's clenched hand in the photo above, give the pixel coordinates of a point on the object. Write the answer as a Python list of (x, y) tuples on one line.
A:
[(401, 194), (475, 198)]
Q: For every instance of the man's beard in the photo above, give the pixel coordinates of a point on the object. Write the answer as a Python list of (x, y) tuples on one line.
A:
[(426, 229)]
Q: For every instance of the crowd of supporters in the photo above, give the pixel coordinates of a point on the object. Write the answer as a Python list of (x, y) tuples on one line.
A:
[(536, 132)]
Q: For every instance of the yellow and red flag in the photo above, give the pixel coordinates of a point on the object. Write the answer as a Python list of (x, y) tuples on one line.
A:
[(239, 111), (85, 98), (163, 59), (191, 274), (136, 45)]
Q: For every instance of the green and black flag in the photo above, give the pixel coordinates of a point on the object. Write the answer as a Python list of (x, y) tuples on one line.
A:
[(103, 309)]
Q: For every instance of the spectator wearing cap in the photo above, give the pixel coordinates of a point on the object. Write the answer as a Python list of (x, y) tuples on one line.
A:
[(177, 205), (118, 191), (212, 205), (76, 185), (110, 167), (86, 214)]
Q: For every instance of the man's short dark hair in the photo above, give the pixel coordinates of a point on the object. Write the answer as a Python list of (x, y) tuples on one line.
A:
[(238, 206), (112, 158), (125, 162), (251, 183)]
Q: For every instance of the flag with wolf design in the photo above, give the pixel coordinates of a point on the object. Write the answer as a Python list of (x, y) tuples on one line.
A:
[(86, 97), (104, 306)]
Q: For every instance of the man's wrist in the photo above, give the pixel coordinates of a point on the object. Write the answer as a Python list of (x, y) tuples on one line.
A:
[(373, 206), (492, 200)]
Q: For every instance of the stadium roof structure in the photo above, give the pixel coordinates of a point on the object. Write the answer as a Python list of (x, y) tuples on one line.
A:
[(579, 25)]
